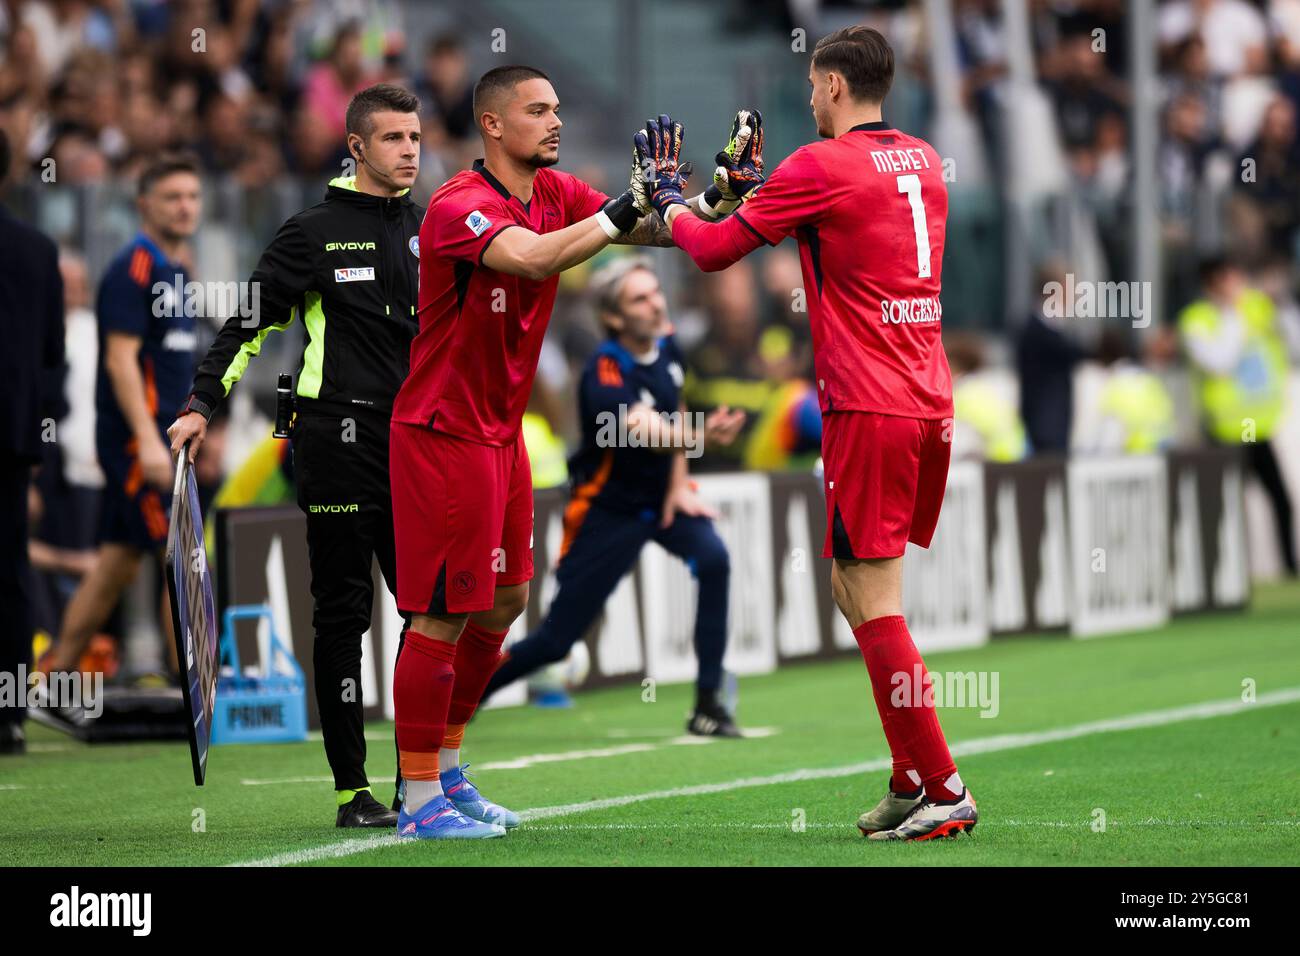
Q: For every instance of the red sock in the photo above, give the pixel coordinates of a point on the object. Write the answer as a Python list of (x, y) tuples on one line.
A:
[(913, 728), (478, 652), (422, 686), (903, 777)]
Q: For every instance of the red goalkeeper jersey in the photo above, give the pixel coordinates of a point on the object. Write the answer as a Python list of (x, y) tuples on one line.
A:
[(868, 209), (473, 361)]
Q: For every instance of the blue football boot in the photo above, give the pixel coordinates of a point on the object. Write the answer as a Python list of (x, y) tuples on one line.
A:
[(464, 796), (439, 820)]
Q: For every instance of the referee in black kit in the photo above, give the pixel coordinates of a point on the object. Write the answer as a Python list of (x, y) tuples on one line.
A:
[(348, 268)]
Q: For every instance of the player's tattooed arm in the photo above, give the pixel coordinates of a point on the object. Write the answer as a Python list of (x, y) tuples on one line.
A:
[(649, 231)]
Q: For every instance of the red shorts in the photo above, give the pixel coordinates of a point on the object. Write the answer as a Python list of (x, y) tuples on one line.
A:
[(885, 477), (462, 519)]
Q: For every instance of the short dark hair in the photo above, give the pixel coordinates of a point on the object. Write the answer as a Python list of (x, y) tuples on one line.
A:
[(6, 156), (499, 80), (162, 167), (862, 56), (1212, 267), (380, 98)]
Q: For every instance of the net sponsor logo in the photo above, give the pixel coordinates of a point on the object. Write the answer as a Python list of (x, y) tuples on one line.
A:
[(355, 274), (76, 909)]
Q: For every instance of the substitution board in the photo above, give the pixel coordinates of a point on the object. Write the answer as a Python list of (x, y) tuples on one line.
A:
[(194, 618)]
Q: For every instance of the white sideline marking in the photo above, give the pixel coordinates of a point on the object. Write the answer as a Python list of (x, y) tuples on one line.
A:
[(330, 851), (275, 781), (529, 760), (749, 733), (515, 763), (1153, 718)]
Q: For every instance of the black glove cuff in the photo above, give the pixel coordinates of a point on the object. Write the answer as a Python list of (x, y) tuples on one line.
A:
[(713, 195), (622, 211)]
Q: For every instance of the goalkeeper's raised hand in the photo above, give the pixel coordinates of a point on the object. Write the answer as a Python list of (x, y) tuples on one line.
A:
[(739, 166), (657, 154)]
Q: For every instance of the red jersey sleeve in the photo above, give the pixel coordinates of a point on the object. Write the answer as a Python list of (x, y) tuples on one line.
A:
[(714, 245), (794, 195), (580, 200), (462, 225)]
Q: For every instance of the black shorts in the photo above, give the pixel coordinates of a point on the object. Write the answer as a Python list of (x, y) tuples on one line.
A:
[(131, 511)]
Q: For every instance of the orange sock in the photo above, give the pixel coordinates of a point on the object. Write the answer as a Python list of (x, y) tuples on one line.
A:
[(454, 735)]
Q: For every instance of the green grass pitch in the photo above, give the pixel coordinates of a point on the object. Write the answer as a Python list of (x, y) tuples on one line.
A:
[(1111, 730)]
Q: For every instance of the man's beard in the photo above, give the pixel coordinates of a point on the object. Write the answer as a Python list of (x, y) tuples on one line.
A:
[(171, 235), (538, 161)]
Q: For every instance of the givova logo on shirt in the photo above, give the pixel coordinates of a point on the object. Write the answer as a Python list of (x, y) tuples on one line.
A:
[(478, 223)]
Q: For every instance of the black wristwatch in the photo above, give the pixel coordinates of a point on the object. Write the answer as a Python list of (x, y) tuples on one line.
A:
[(196, 404)]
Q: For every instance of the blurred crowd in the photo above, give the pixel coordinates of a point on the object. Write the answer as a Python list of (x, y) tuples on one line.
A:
[(254, 89), (1228, 92)]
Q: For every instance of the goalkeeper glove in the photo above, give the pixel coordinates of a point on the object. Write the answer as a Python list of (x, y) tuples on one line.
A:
[(620, 214), (657, 151), (740, 166)]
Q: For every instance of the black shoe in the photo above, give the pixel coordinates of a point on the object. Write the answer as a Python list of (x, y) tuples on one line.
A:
[(12, 738), (366, 811), (712, 720)]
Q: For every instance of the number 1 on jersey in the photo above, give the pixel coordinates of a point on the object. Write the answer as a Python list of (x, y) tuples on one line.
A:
[(911, 184)]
